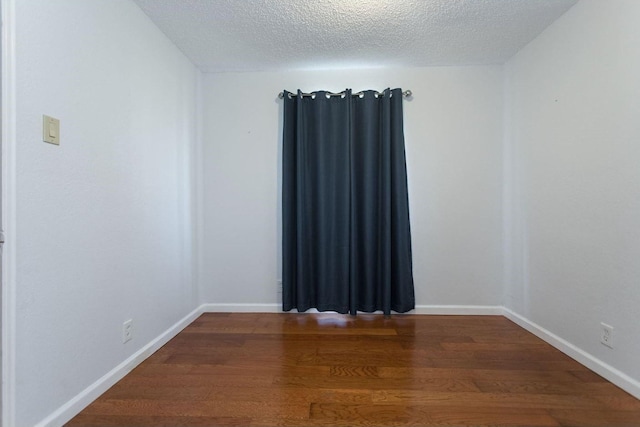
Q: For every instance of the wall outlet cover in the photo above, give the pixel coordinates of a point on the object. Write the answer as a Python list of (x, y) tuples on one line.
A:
[(606, 335), (127, 331)]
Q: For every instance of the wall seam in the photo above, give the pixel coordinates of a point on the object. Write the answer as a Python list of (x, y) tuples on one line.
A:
[(8, 210)]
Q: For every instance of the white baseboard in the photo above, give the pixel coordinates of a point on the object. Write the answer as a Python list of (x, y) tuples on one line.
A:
[(241, 308), (617, 377), (91, 393), (420, 309), (460, 310)]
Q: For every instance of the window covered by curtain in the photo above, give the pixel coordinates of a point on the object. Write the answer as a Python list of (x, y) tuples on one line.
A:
[(346, 234)]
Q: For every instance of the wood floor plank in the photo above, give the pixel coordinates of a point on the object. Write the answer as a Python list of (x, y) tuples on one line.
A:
[(495, 346), (538, 387), (311, 370), (596, 418), (368, 383), (88, 420), (290, 395), (619, 401), (208, 408), (488, 400), (163, 392), (410, 414), (476, 374)]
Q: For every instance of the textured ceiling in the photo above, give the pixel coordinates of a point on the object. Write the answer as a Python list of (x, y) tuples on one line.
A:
[(251, 35)]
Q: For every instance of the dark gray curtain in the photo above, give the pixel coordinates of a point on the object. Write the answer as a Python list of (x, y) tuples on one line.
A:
[(346, 236)]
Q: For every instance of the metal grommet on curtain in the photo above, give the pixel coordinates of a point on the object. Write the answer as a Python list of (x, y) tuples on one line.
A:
[(361, 94)]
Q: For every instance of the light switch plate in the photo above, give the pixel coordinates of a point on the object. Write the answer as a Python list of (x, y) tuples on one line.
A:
[(50, 130)]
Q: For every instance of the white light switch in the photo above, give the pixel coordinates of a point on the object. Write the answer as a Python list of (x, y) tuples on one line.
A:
[(50, 130)]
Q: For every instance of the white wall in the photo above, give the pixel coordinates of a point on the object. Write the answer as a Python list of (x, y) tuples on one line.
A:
[(574, 101), (453, 132), (102, 230)]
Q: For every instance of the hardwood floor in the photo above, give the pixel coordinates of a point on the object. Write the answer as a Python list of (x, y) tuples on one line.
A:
[(337, 370)]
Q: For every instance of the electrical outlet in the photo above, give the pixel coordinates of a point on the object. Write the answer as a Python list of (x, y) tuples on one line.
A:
[(127, 331), (279, 286), (606, 335)]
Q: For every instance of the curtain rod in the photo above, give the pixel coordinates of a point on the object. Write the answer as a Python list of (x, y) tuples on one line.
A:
[(407, 94)]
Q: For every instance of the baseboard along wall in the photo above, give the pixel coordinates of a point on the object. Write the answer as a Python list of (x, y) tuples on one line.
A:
[(619, 378), (88, 395), (460, 310), (91, 393)]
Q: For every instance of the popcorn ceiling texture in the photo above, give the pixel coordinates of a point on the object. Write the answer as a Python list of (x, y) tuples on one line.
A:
[(252, 35)]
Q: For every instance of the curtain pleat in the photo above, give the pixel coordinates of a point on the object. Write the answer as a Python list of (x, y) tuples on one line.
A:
[(346, 233)]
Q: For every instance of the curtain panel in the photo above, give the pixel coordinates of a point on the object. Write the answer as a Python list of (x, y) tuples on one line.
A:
[(346, 233)]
